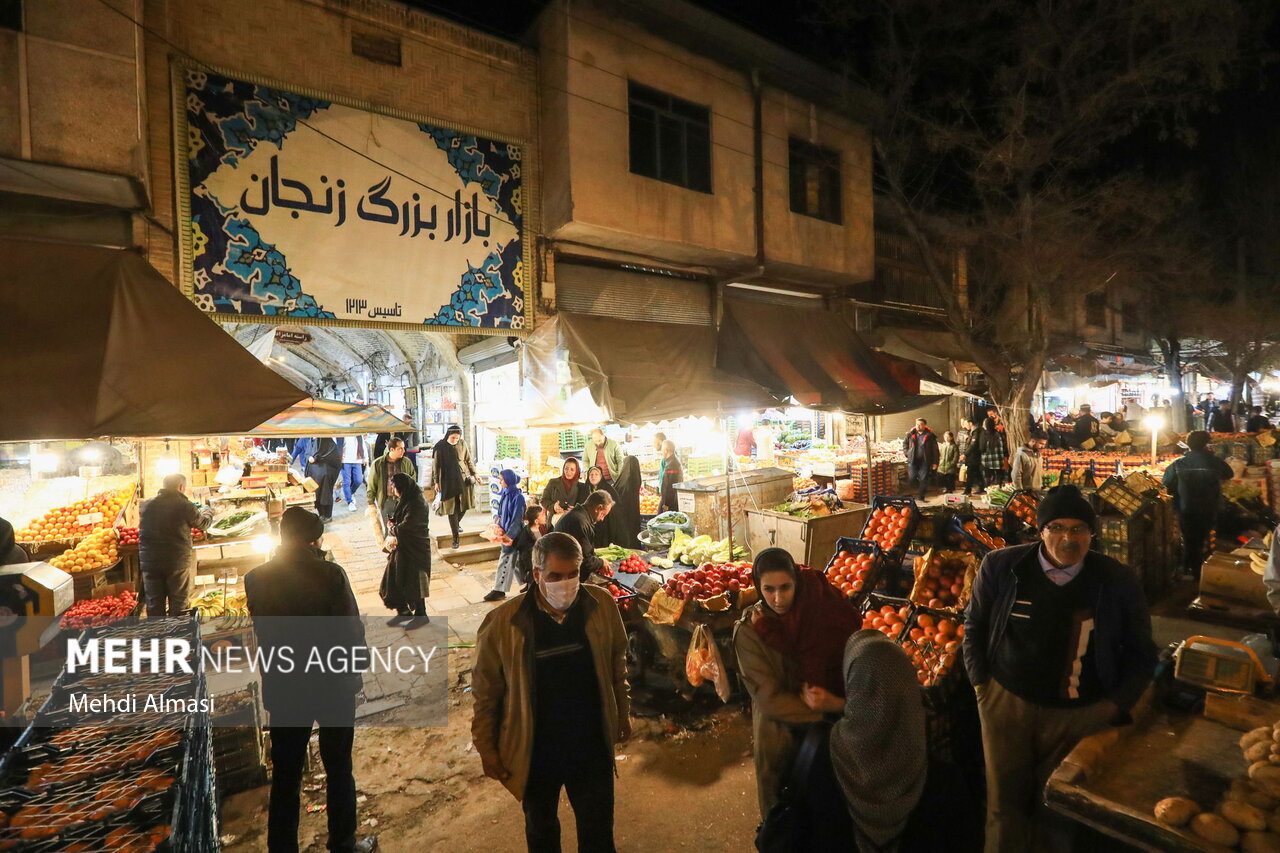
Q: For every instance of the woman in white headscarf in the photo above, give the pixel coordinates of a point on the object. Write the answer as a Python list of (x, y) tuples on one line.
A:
[(879, 747)]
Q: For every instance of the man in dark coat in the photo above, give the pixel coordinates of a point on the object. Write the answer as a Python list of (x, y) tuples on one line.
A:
[(1258, 422), (1195, 482), (1057, 643), (580, 523), (302, 604), (323, 466), (1086, 427), (921, 448), (164, 547)]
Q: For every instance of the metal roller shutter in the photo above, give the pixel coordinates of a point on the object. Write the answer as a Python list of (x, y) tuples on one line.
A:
[(632, 294), (897, 426)]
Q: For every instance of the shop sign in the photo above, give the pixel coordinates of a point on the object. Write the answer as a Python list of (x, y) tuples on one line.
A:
[(291, 336), (333, 213)]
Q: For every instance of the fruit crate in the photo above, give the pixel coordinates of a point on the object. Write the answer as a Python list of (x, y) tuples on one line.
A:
[(920, 569), (1114, 491), (1022, 506), (508, 447), (899, 503), (879, 562), (898, 577), (959, 534), (1140, 482), (572, 441)]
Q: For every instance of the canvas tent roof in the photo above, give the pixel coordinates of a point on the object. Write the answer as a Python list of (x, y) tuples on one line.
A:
[(815, 357), (314, 417), (96, 342)]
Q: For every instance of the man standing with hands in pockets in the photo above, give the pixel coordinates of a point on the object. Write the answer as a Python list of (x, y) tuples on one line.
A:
[(552, 700)]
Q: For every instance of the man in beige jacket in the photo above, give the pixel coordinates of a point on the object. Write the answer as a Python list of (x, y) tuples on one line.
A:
[(567, 640)]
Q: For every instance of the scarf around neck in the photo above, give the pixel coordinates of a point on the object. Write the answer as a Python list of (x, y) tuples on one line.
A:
[(570, 483), (812, 633)]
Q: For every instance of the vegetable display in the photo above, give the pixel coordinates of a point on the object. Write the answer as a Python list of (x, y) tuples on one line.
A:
[(695, 550), (1024, 506), (234, 519), (633, 565), (1248, 815), (223, 613), (97, 612), (614, 553)]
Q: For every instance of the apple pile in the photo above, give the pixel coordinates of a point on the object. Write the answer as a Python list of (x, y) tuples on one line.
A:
[(849, 572), (708, 581), (126, 536), (933, 644), (940, 581), (633, 565), (887, 526)]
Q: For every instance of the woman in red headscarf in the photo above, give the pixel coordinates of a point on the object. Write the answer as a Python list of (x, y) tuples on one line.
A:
[(564, 492), (790, 648)]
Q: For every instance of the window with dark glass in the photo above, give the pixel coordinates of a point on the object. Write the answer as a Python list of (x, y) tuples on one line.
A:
[(10, 14), (815, 180), (670, 138), (1095, 309), (1129, 317)]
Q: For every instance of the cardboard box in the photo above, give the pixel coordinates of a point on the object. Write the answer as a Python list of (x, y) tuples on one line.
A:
[(1228, 576), (310, 485)]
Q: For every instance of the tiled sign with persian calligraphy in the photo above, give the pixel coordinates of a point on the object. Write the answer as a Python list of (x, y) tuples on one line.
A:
[(315, 210)]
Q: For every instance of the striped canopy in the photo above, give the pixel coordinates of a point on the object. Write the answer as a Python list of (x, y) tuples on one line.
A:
[(315, 417)]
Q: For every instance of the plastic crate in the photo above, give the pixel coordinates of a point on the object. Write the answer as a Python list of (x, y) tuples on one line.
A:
[(860, 546), (1114, 491), (983, 546), (1023, 499), (900, 503)]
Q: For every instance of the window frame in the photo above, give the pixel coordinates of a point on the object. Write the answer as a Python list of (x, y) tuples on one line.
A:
[(1095, 302), (817, 162), (669, 115)]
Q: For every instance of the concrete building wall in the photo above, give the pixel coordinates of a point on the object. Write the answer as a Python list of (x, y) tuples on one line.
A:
[(69, 91), (448, 73), (591, 57)]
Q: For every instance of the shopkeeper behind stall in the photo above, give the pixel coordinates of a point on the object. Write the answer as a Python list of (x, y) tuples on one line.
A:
[(604, 453), (164, 547), (581, 523), (670, 472)]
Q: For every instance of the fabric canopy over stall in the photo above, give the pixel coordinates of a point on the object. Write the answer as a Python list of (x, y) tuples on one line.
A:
[(643, 372), (815, 357), (97, 343), (928, 381), (314, 417)]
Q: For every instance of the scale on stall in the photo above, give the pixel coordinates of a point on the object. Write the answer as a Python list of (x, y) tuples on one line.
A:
[(1225, 666)]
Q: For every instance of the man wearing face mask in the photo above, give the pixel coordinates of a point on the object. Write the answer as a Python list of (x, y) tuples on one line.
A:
[(1058, 646), (551, 698)]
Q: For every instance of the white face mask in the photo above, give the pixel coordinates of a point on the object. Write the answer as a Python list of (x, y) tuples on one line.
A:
[(561, 594)]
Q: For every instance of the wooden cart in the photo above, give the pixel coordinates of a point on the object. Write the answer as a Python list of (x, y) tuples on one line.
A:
[(1112, 780)]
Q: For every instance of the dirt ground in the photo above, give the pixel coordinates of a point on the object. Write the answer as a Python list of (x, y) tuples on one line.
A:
[(683, 784)]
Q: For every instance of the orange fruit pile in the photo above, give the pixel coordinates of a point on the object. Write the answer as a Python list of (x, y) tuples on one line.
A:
[(62, 522), (849, 572), (887, 526)]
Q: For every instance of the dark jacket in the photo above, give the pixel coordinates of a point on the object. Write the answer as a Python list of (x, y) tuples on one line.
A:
[(1125, 654), (579, 525), (522, 543), (921, 448), (408, 574), (1086, 427), (164, 529), (1222, 421), (1195, 481), (300, 582), (1258, 423)]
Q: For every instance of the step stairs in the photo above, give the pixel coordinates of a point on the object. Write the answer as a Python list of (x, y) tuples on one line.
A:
[(473, 548)]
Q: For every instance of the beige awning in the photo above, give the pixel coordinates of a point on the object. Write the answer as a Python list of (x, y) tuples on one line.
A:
[(96, 342)]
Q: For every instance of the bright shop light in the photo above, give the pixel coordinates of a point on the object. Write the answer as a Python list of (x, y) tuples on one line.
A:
[(45, 463), (167, 465)]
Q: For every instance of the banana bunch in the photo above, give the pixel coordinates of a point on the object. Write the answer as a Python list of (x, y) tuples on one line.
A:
[(235, 617), (209, 612), (1258, 562)]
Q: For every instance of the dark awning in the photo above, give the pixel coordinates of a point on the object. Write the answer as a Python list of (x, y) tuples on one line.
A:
[(96, 342), (642, 372), (815, 357)]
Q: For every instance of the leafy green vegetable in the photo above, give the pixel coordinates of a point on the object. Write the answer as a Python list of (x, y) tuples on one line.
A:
[(233, 519)]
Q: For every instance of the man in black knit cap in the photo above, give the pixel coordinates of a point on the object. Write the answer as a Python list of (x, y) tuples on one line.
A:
[(1058, 646)]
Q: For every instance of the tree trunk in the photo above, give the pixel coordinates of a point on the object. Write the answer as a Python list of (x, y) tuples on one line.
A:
[(1171, 352), (1013, 400)]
